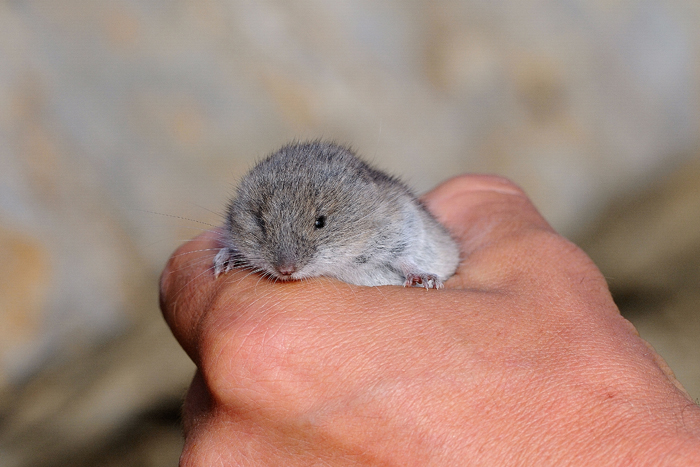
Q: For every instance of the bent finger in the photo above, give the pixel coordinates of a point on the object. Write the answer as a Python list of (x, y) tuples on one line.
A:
[(501, 234), (481, 209), (188, 285)]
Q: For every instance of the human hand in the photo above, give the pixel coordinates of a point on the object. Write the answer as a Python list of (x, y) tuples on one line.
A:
[(522, 359)]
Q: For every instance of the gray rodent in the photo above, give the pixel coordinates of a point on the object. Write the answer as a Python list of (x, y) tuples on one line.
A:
[(315, 209)]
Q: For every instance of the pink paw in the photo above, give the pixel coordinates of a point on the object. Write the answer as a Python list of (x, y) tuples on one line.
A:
[(429, 281)]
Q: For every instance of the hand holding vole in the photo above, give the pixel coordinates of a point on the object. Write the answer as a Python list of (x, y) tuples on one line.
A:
[(315, 209), (526, 357)]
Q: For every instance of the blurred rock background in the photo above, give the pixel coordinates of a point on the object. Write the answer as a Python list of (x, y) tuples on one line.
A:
[(112, 111)]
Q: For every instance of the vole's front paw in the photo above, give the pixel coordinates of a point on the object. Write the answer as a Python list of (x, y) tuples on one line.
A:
[(223, 262)]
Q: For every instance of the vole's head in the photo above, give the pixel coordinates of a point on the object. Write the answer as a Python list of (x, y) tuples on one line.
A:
[(305, 211)]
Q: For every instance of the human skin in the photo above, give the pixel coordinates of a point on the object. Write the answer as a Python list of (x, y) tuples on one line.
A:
[(522, 359)]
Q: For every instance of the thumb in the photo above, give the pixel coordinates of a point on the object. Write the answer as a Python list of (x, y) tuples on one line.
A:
[(482, 209), (501, 234)]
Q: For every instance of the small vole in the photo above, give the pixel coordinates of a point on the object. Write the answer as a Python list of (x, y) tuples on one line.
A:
[(315, 209)]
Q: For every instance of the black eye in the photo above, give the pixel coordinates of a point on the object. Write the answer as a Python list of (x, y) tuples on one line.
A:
[(320, 222)]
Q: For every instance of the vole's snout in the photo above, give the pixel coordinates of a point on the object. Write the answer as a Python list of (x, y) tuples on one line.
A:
[(285, 266), (286, 269)]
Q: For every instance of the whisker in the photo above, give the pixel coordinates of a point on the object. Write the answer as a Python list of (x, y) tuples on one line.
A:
[(182, 218)]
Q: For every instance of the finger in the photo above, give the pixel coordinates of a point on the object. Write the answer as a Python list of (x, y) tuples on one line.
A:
[(481, 209), (501, 234), (187, 286), (197, 406)]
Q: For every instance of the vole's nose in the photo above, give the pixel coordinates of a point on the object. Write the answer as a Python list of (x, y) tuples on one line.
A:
[(286, 269)]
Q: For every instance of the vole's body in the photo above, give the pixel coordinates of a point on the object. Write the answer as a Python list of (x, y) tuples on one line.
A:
[(315, 209)]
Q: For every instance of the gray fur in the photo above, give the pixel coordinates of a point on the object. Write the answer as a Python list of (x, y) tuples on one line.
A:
[(374, 230)]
